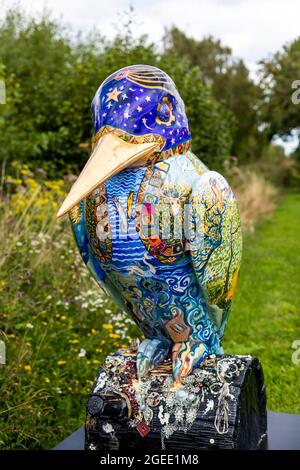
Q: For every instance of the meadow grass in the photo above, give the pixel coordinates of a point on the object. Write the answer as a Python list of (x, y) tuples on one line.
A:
[(265, 319), (58, 326)]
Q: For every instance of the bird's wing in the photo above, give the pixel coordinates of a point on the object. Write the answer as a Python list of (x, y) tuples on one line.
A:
[(215, 243), (77, 218)]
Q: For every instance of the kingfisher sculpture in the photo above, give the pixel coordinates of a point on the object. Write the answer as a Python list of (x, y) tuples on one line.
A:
[(159, 232)]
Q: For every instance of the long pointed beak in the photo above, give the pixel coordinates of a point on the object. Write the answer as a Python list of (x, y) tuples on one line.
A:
[(111, 156)]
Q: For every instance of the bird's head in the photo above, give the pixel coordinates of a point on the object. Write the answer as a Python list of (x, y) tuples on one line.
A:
[(139, 118)]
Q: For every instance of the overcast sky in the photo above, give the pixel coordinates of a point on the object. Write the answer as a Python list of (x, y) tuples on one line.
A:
[(252, 28)]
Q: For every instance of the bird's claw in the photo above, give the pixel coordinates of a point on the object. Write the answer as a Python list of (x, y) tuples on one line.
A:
[(151, 353), (186, 356)]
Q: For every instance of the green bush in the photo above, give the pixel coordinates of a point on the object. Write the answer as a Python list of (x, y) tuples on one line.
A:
[(51, 80)]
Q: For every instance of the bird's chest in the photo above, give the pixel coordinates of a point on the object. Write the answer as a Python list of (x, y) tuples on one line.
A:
[(132, 217)]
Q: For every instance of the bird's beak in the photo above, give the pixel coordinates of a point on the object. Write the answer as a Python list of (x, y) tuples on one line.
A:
[(110, 156)]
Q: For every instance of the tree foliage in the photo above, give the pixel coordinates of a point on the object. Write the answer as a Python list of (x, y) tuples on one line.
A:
[(231, 86), (278, 73), (51, 79)]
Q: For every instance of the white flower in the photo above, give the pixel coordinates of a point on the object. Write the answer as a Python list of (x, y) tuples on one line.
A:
[(82, 352), (19, 243), (29, 325)]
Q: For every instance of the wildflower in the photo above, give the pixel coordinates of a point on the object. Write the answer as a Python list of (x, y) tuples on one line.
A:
[(107, 326), (114, 335), (98, 350), (19, 243), (29, 325), (82, 352), (27, 368), (95, 361), (74, 341), (61, 362), (47, 380), (94, 332), (63, 318)]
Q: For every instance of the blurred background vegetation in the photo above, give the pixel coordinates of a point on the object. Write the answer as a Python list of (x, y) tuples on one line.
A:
[(56, 324)]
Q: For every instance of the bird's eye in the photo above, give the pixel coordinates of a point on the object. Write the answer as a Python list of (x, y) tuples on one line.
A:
[(163, 113)]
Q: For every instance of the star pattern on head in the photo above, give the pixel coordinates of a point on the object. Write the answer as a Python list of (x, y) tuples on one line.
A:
[(113, 95), (131, 108)]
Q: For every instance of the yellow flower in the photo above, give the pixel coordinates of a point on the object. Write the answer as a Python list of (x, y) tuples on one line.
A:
[(114, 335), (74, 341), (63, 318), (47, 380), (24, 171), (95, 361), (94, 332), (107, 326), (27, 368), (61, 362), (99, 350)]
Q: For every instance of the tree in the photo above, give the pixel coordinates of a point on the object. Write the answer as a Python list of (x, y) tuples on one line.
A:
[(280, 114), (230, 82), (51, 80)]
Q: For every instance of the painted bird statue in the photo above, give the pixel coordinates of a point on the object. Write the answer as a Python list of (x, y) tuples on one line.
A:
[(159, 232)]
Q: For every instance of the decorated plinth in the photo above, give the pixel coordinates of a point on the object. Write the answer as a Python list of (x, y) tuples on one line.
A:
[(220, 405)]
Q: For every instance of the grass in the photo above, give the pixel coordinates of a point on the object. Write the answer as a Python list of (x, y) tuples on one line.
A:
[(265, 319), (56, 323), (58, 326)]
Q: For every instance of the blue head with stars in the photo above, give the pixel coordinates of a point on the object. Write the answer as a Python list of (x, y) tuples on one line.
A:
[(141, 100), (139, 118)]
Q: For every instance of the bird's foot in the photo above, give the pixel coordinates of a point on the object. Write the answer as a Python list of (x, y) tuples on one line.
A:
[(151, 353), (186, 356)]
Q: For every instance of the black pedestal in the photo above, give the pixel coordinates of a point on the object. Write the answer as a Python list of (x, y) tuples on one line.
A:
[(222, 405)]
